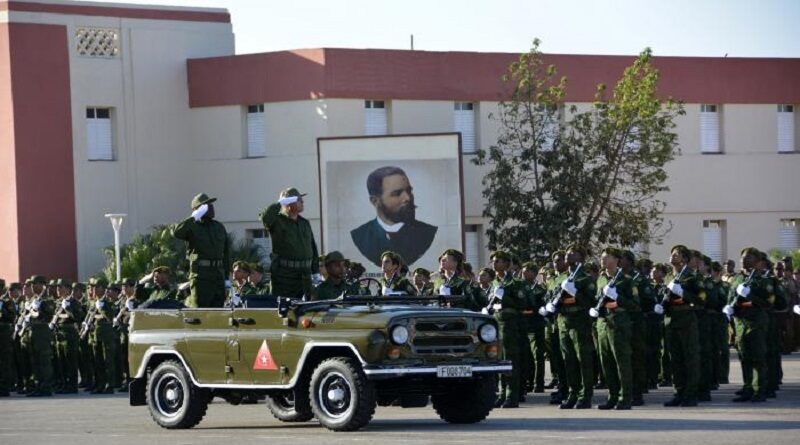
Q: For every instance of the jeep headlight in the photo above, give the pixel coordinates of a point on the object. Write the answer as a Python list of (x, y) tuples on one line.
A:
[(487, 333), (399, 335)]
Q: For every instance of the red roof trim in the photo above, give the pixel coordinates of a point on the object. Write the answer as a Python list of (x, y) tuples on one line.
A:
[(107, 11)]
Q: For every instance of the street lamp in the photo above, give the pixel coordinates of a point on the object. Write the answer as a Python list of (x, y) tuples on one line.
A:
[(116, 223)]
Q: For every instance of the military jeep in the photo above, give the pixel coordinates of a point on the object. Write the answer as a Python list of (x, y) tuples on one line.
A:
[(332, 360)]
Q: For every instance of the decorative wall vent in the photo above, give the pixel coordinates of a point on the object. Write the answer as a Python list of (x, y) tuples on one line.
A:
[(97, 42)]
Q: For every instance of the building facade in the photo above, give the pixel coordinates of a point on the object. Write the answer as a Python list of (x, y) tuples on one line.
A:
[(132, 109)]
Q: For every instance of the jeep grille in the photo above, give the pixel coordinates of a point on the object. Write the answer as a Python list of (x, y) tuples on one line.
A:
[(441, 336)]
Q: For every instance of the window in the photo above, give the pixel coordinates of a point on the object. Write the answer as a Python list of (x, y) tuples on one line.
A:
[(260, 238), (99, 134), (714, 239), (709, 129), (786, 129), (464, 122), (256, 141), (472, 246), (376, 122), (789, 235)]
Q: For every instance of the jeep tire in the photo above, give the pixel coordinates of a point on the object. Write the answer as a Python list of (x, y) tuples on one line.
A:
[(174, 401), (466, 402), (342, 398), (291, 405)]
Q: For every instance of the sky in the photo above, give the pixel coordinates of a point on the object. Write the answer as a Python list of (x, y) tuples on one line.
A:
[(738, 28)]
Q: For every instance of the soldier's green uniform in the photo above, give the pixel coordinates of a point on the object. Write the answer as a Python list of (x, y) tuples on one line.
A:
[(456, 285), (638, 334), (397, 284), (329, 289), (104, 342), (575, 337), (126, 304), (70, 314), (653, 326), (209, 256), (681, 334), (614, 337), (8, 315), (507, 301), (294, 252), (553, 343), (776, 295), (86, 362), (40, 341), (718, 298), (533, 336), (705, 330)]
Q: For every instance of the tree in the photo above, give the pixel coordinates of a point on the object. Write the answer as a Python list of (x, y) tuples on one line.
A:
[(160, 248), (592, 177)]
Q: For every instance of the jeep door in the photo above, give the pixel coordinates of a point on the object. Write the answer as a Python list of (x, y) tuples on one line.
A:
[(206, 333), (258, 334)]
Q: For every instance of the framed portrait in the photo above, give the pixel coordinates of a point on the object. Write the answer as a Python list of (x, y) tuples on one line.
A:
[(402, 193)]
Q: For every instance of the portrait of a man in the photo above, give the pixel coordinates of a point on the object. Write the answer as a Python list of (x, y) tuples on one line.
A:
[(395, 226)]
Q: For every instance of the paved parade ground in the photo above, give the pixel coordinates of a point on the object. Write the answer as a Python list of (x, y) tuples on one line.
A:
[(84, 419)]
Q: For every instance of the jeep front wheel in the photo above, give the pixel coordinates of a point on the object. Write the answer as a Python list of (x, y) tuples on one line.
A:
[(342, 398), (466, 402), (175, 402)]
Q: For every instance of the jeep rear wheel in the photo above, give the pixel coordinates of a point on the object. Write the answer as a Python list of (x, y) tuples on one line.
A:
[(175, 402), (342, 398), (467, 402), (291, 405)]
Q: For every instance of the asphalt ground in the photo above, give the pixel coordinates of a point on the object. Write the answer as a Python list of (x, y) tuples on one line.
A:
[(84, 419)]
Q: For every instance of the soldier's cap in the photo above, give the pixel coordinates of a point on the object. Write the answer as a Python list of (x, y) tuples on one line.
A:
[(544, 270), (356, 266), (130, 282), (38, 279), (115, 285), (662, 267), (488, 271), (707, 259), (161, 269), (750, 251), (242, 265), (322, 259), (291, 192), (15, 286), (578, 249), (332, 257), (468, 267), (255, 267), (716, 266), (453, 253), (61, 282), (613, 251), (201, 199), (591, 266), (557, 253), (682, 250), (629, 255), (422, 271), (28, 281), (764, 257), (500, 255), (52, 283), (79, 286), (394, 256), (98, 282), (530, 265), (646, 263), (696, 253)]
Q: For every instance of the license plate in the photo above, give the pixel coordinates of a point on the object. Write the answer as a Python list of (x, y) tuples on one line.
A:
[(454, 371)]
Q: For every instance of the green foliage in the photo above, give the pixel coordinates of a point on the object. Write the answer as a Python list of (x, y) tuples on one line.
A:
[(159, 248), (777, 254), (569, 176)]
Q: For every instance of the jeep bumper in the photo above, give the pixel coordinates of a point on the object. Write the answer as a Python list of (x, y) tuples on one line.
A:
[(389, 371)]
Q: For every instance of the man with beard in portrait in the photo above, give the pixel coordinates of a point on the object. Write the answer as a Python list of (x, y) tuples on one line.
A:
[(395, 228)]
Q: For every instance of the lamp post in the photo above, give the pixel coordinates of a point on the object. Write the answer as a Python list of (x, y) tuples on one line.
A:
[(116, 223)]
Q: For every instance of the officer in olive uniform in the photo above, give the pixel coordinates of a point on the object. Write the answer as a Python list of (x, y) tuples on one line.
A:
[(615, 299), (393, 280), (126, 303), (68, 316), (717, 298), (335, 285), (422, 281), (208, 251), (241, 285), (705, 324), (776, 296), (506, 302), (532, 334), (86, 362), (257, 279), (681, 331), (638, 329), (103, 339), (554, 277), (575, 295), (648, 300), (41, 338), (295, 259), (451, 280), (8, 315)]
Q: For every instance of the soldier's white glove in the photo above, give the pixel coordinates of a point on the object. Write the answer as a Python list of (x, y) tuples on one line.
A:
[(498, 292), (200, 212), (64, 304), (658, 309), (99, 304), (550, 307), (485, 311), (316, 279), (610, 292), (743, 291), (227, 284), (288, 200), (52, 326), (675, 288), (796, 309), (27, 304), (444, 290), (385, 291), (236, 300), (146, 279), (594, 313), (728, 310), (130, 304), (569, 287), (36, 305), (543, 310)]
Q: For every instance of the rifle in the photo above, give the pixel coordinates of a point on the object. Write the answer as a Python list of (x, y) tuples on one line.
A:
[(54, 321), (493, 300), (89, 322), (22, 323), (659, 308), (599, 309), (559, 297), (117, 323)]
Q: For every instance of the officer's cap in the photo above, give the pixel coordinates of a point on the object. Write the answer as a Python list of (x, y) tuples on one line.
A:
[(334, 256), (201, 199)]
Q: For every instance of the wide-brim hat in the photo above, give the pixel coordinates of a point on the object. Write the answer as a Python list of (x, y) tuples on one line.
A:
[(291, 192), (201, 199)]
